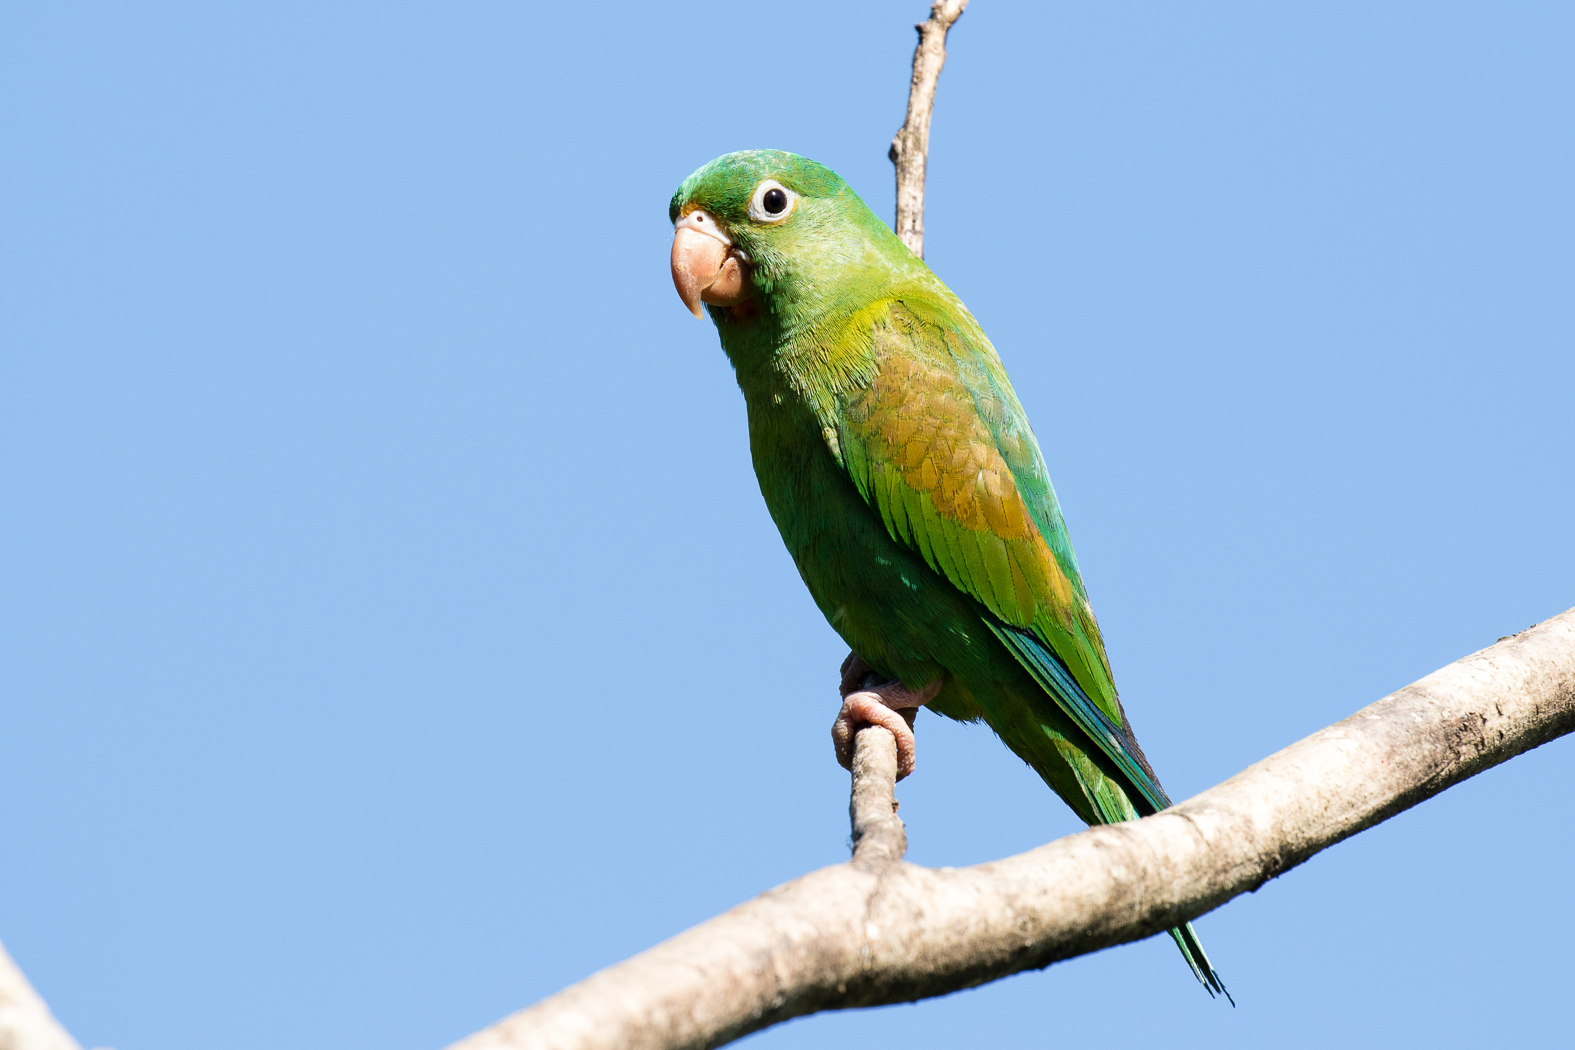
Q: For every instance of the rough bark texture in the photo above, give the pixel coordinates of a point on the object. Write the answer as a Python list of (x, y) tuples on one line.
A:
[(879, 837), (910, 149), (878, 930), (25, 1022)]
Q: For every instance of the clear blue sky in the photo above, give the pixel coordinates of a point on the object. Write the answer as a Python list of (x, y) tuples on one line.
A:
[(392, 632)]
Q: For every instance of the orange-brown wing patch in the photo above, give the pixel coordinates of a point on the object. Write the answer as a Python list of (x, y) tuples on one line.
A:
[(932, 467)]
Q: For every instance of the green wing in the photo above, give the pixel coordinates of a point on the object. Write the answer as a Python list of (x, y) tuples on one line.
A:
[(938, 444)]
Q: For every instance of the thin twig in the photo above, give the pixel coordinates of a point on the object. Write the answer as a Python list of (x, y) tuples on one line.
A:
[(879, 837), (867, 933), (910, 149)]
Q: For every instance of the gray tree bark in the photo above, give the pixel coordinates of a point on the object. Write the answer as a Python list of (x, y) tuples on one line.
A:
[(25, 1022), (878, 930)]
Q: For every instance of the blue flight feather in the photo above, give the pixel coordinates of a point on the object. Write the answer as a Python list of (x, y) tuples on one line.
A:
[(1114, 740)]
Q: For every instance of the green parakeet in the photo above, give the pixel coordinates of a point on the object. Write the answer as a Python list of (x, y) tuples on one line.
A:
[(906, 482)]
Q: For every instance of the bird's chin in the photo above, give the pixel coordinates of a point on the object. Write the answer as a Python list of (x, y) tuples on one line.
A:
[(744, 310), (731, 286)]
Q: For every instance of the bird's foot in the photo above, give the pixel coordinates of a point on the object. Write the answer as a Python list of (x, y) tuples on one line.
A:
[(866, 700)]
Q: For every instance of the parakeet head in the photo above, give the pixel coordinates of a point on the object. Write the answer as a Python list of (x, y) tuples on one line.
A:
[(767, 231)]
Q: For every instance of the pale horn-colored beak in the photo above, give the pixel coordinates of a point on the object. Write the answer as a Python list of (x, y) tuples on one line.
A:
[(706, 269)]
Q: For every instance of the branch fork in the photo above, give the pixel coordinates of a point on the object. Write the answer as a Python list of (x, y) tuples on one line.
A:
[(879, 930)]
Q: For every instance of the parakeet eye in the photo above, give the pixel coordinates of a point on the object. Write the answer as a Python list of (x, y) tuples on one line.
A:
[(772, 202)]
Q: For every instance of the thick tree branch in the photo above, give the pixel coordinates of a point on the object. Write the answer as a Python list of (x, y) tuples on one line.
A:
[(910, 149), (878, 930), (25, 1022)]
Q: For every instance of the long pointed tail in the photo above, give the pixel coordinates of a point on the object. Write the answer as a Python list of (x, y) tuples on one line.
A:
[(1115, 806), (1116, 781), (1186, 939)]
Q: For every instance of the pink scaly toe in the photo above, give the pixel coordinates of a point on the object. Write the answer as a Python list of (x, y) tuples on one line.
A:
[(891, 706)]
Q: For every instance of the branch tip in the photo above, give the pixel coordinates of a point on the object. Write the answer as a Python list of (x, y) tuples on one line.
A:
[(910, 148)]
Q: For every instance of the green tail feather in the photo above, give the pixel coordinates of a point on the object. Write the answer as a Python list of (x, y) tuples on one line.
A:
[(1116, 810), (1185, 936), (1186, 939), (1142, 790)]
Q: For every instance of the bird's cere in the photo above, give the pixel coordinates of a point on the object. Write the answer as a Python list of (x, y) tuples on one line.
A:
[(701, 222), (706, 269)]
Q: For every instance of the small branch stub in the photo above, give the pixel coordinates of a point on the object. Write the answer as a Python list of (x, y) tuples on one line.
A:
[(879, 838), (910, 149)]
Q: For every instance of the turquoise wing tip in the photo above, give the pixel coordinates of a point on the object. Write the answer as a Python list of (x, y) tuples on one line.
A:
[(1115, 741)]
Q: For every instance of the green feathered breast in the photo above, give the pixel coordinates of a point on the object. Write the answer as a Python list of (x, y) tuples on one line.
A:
[(908, 486)]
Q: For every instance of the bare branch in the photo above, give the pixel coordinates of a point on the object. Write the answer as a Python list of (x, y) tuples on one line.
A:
[(910, 148), (879, 930), (25, 1022), (879, 838)]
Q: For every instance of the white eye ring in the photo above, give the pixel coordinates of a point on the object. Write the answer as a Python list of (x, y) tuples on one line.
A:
[(757, 203)]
